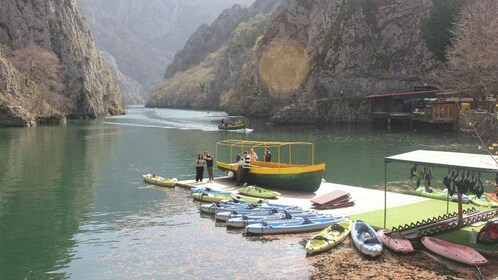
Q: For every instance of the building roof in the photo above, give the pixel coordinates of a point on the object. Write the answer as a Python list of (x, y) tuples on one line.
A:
[(413, 93), (473, 162)]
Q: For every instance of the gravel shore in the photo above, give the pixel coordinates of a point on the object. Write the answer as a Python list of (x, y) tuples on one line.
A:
[(346, 262)]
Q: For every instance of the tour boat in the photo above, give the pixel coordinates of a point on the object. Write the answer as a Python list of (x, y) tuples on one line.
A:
[(292, 168)]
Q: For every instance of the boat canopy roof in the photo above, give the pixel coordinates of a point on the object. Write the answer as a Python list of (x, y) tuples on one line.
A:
[(475, 162), (248, 143)]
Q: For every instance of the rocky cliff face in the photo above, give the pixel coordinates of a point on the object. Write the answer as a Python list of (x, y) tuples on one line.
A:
[(58, 27), (143, 36), (310, 53), (131, 91)]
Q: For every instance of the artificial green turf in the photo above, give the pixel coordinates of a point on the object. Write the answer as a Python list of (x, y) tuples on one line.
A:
[(407, 214)]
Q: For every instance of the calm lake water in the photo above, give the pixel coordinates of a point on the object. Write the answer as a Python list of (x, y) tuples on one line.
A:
[(73, 205)]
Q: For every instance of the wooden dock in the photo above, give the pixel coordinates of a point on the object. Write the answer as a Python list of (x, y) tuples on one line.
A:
[(366, 200)]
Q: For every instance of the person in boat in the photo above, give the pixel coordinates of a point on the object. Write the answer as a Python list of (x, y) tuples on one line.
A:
[(199, 168), (240, 165), (254, 156), (209, 164), (246, 166), (428, 178), (267, 154)]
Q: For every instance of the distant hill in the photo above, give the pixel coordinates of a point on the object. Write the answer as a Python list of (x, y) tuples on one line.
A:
[(143, 36)]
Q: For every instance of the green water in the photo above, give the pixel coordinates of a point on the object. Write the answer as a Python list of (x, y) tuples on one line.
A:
[(73, 205)]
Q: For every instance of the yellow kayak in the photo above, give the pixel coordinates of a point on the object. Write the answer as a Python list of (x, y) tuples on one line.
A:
[(160, 181), (329, 237)]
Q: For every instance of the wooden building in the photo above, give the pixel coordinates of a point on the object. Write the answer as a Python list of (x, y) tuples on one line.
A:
[(431, 106)]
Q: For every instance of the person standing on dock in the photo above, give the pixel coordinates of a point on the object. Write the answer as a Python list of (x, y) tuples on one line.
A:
[(240, 164), (209, 165), (246, 166), (199, 168)]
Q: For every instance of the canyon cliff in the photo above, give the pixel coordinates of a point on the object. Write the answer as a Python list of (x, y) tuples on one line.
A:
[(301, 61), (52, 28)]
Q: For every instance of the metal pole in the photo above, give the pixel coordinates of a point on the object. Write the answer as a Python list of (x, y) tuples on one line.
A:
[(385, 193)]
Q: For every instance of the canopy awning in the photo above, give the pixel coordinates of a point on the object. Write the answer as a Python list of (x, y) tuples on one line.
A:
[(472, 162)]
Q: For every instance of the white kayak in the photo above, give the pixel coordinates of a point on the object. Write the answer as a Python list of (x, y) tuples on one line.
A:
[(366, 239), (305, 225)]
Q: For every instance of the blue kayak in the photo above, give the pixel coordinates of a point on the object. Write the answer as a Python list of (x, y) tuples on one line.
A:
[(303, 225)]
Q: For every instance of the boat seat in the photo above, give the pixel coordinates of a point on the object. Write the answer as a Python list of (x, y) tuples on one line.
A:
[(337, 227), (319, 237), (371, 240)]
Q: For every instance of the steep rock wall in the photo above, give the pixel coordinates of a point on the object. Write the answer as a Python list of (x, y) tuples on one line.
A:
[(58, 26)]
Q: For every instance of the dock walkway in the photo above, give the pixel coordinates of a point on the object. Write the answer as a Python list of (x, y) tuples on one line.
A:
[(366, 200)]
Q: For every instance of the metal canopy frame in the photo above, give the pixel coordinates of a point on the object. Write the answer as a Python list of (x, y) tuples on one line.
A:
[(467, 161)]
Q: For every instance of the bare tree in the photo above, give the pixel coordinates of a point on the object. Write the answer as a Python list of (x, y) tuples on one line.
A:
[(43, 68), (473, 59)]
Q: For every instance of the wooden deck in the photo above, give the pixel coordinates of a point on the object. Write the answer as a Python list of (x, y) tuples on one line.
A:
[(366, 200)]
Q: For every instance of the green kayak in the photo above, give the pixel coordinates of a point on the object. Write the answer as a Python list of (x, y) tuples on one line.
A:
[(258, 192), (435, 194), (483, 201), (160, 181)]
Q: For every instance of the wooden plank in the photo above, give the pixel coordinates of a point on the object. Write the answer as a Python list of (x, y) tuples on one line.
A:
[(329, 197)]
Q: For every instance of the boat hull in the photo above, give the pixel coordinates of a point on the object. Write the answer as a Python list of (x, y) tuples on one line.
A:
[(306, 178)]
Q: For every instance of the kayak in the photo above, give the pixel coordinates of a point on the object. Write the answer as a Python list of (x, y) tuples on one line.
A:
[(456, 252), (218, 197), (258, 192), (366, 239), (435, 194), (208, 190), (226, 215), (484, 201), (395, 241), (304, 225), (215, 208), (241, 222), (329, 237), (492, 196), (160, 181)]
